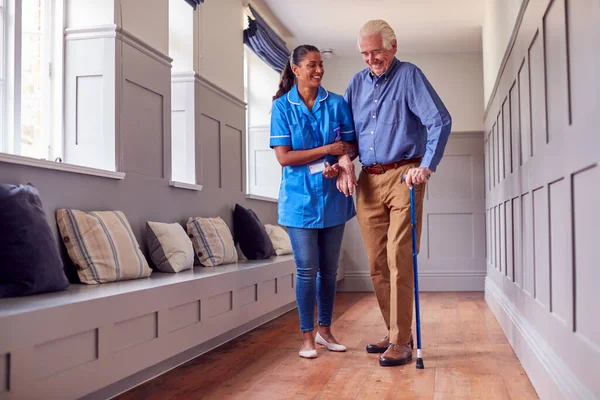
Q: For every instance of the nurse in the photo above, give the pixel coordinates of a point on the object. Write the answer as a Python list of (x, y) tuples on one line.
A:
[(311, 129)]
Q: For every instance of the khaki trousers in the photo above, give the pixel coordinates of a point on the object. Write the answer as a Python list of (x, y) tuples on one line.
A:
[(383, 212)]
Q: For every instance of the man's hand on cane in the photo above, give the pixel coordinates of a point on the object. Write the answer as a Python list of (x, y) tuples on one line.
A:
[(417, 175)]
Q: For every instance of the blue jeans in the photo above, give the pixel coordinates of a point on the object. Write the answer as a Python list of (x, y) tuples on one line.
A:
[(316, 252)]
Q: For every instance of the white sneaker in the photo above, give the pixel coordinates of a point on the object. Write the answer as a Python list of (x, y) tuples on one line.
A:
[(308, 353), (330, 346)]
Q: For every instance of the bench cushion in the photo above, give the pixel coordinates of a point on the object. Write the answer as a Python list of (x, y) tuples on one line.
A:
[(212, 241), (29, 258), (251, 234), (101, 245), (280, 239), (169, 246)]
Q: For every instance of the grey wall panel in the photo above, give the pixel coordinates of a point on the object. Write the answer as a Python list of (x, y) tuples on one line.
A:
[(586, 220), (507, 134), (528, 249), (519, 240), (217, 105), (538, 93), (524, 111), (441, 245), (65, 353), (248, 295), (509, 263), (268, 288), (455, 181), (286, 283), (142, 112), (541, 248), (145, 115), (551, 198), (560, 252), (501, 147), (184, 315), (220, 304), (210, 152), (231, 158), (502, 238), (497, 154), (135, 331), (515, 125), (4, 373), (557, 76)]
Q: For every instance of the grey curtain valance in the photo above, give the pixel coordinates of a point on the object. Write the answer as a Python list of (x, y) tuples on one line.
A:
[(194, 3), (265, 43)]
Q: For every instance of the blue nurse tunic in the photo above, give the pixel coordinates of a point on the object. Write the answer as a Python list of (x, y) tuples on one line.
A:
[(309, 200)]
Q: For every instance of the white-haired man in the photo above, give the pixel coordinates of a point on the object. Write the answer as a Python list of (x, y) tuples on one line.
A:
[(402, 127)]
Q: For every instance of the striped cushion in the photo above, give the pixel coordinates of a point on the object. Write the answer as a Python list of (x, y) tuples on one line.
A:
[(212, 240), (101, 245)]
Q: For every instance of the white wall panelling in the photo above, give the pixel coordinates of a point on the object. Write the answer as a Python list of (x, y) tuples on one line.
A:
[(183, 153), (264, 169), (91, 96)]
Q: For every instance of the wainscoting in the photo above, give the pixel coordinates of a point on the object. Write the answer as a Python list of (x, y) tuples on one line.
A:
[(542, 153), (452, 253)]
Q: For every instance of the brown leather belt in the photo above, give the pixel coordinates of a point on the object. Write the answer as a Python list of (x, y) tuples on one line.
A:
[(382, 168)]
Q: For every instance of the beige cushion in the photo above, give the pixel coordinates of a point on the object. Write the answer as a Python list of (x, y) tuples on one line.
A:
[(212, 240), (280, 239), (169, 246), (102, 246)]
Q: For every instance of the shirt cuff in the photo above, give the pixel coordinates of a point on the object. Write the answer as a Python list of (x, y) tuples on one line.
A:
[(280, 141), (348, 136), (427, 162)]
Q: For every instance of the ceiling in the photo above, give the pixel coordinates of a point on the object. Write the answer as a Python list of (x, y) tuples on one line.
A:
[(421, 26)]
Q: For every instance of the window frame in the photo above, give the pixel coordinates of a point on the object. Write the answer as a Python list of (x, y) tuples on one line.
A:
[(52, 76)]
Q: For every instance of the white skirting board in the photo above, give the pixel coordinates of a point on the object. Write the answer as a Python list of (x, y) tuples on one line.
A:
[(550, 376), (428, 282)]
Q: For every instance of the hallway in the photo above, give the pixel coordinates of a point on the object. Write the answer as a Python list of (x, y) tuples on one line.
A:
[(465, 352)]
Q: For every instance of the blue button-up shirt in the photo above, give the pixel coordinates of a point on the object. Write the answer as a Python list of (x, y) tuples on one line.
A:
[(310, 200), (398, 116)]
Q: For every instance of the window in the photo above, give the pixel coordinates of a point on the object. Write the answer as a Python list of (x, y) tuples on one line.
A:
[(181, 50), (261, 83), (28, 80)]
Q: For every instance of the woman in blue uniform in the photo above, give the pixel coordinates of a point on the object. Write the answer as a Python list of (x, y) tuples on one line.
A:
[(310, 129)]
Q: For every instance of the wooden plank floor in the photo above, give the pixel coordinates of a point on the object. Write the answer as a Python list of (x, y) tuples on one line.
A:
[(465, 351)]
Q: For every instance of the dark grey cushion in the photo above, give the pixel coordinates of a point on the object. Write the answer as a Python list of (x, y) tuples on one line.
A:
[(251, 234), (29, 258)]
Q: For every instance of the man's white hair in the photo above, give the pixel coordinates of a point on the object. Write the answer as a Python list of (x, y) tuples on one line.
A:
[(379, 26)]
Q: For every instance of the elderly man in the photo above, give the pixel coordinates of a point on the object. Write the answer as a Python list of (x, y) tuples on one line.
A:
[(402, 127)]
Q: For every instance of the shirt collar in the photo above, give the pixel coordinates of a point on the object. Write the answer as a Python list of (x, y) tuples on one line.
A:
[(293, 97), (390, 71)]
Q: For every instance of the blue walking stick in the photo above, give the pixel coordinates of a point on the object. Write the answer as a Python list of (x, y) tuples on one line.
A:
[(413, 223)]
